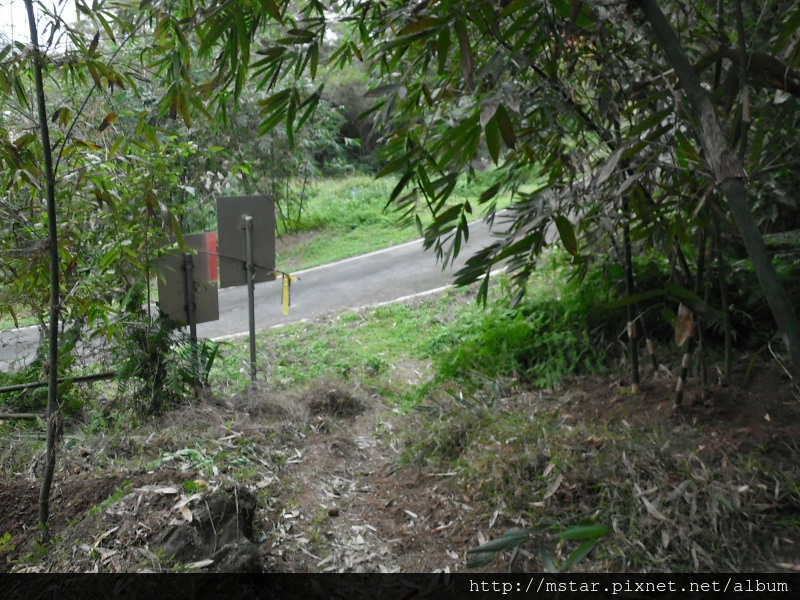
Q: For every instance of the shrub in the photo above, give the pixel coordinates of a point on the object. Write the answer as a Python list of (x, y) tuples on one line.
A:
[(539, 341)]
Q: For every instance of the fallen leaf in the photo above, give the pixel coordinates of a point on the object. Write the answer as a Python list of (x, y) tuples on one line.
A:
[(551, 489), (493, 520), (200, 563), (104, 535), (187, 513), (652, 510), (105, 553), (186, 500), (154, 489)]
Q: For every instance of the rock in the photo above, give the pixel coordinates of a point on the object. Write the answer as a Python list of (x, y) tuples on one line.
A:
[(222, 530), (242, 557)]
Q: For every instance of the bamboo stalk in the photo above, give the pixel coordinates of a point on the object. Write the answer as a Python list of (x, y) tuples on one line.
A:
[(53, 407), (633, 337), (21, 387)]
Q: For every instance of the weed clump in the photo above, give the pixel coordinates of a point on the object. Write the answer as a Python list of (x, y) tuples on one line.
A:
[(330, 398), (539, 342)]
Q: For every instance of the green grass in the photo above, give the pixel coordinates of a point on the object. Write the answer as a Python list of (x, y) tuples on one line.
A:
[(119, 493), (364, 348), (7, 322), (349, 216), (441, 344)]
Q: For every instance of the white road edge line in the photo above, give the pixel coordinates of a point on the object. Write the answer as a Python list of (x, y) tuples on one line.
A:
[(382, 250)]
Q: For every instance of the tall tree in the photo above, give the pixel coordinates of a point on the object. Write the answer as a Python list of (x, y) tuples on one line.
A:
[(53, 408), (81, 215)]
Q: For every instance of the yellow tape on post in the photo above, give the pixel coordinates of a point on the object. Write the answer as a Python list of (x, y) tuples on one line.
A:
[(287, 291)]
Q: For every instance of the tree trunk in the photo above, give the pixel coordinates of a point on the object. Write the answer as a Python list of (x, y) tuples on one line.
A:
[(633, 336), (51, 365), (729, 175), (723, 295)]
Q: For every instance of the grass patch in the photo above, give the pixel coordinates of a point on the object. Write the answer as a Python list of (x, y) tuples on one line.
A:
[(539, 342), (6, 322), (349, 217), (367, 347)]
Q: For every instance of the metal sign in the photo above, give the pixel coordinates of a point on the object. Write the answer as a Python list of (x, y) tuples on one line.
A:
[(172, 283), (232, 212)]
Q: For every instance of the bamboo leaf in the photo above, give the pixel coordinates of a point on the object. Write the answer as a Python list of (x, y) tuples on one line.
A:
[(633, 299), (86, 144), (107, 121), (443, 48), (579, 554), (694, 302), (274, 10), (94, 42), (467, 63), (506, 128), (567, 233), (313, 52), (488, 109), (511, 538), (489, 193), (549, 564), (421, 25), (609, 167), (492, 135), (584, 532)]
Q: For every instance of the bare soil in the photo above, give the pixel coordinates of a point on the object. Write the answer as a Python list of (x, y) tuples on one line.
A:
[(325, 466)]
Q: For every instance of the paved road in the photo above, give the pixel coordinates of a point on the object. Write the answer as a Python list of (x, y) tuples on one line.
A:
[(354, 282)]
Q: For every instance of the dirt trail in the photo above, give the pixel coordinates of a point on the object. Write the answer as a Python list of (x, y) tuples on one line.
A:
[(351, 507)]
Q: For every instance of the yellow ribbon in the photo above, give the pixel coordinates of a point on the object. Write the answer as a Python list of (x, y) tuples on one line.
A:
[(287, 291)]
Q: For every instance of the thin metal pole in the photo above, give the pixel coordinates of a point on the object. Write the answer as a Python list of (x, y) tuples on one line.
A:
[(188, 268), (251, 291), (191, 307)]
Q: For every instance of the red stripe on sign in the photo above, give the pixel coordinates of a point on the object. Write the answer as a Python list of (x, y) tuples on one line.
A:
[(213, 258)]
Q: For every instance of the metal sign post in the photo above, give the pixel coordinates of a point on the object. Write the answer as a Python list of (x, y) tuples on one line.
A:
[(188, 275), (191, 308), (251, 291), (187, 295)]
